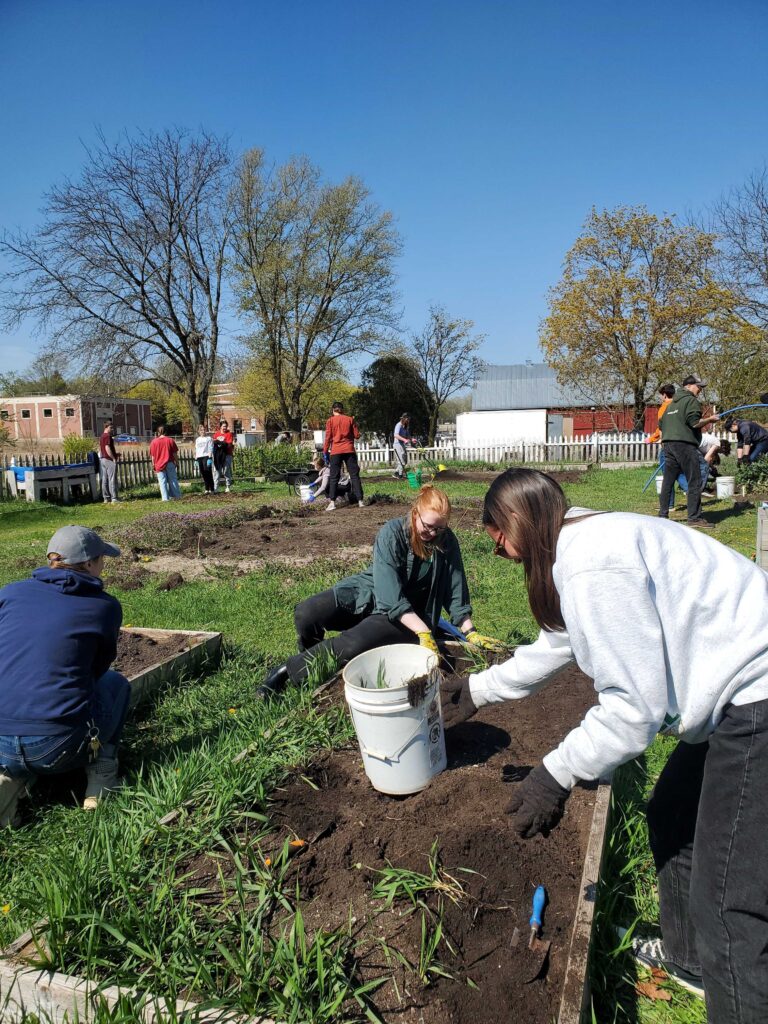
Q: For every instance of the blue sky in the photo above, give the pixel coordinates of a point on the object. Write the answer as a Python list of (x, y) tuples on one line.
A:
[(489, 129)]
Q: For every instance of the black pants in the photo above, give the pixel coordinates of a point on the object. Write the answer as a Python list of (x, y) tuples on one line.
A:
[(681, 457), (359, 633), (353, 468), (206, 472), (708, 822)]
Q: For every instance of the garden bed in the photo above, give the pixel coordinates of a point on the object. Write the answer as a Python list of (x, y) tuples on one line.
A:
[(151, 657), (348, 838)]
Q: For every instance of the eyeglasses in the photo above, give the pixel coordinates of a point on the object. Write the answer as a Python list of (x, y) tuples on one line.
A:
[(434, 531), (498, 547)]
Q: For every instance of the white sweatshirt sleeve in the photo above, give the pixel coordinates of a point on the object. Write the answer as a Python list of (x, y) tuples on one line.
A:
[(614, 623), (530, 668)]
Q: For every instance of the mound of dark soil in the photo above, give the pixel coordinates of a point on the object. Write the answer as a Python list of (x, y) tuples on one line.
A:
[(351, 833)]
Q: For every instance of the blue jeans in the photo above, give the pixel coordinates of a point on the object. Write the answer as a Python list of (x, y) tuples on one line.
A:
[(707, 822), (169, 482), (759, 449), (23, 756)]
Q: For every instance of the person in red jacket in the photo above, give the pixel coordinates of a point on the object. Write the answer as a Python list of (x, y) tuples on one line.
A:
[(164, 452), (341, 432), (223, 450)]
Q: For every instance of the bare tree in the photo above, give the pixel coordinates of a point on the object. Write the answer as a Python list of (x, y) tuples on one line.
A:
[(126, 270), (444, 353), (741, 222), (313, 267)]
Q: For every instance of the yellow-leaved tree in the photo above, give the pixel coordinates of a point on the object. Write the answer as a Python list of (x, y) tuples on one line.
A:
[(633, 309)]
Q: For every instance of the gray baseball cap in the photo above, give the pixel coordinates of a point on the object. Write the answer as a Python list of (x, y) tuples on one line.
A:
[(693, 379), (76, 544)]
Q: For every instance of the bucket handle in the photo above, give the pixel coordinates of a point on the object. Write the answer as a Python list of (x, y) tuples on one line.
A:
[(393, 756)]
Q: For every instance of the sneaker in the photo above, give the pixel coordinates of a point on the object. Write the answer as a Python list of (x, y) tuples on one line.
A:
[(702, 524), (10, 791), (226, 489), (650, 953), (361, 504), (330, 507), (115, 501), (102, 779)]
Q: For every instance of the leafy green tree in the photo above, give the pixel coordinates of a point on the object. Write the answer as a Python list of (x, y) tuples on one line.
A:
[(258, 390), (390, 386), (313, 269), (633, 309)]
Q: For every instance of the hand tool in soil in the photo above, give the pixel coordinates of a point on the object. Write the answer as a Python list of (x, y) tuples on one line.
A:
[(538, 949)]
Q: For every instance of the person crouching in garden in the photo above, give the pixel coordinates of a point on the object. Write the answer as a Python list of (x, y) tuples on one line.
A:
[(672, 626), (417, 571), (60, 706)]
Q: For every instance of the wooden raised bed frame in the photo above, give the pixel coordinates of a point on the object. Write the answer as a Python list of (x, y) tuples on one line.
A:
[(61, 996)]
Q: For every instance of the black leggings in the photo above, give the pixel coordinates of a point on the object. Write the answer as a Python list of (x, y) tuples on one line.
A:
[(206, 472), (353, 468), (359, 633)]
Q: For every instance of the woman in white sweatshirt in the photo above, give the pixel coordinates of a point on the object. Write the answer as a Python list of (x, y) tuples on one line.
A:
[(672, 626)]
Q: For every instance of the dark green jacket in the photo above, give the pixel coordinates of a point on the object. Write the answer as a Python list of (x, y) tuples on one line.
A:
[(677, 423), (398, 581)]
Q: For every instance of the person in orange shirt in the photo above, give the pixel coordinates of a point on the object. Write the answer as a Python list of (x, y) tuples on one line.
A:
[(666, 394), (341, 432)]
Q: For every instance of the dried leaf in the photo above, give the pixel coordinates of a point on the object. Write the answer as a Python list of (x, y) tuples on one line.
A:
[(651, 990)]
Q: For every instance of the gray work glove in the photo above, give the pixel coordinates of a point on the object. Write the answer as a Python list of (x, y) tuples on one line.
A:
[(456, 700), (538, 803)]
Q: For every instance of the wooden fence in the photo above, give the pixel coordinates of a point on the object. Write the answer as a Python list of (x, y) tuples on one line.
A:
[(135, 468)]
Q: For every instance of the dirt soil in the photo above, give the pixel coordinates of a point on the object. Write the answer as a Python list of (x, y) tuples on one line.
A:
[(352, 832), (136, 652)]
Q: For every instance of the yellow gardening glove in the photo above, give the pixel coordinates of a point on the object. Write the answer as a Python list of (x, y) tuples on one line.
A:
[(487, 643), (428, 641)]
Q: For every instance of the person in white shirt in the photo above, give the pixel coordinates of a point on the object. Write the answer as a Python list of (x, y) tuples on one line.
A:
[(204, 457), (672, 626)]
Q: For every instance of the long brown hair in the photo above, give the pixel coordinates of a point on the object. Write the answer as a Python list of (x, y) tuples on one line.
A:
[(430, 499), (529, 509)]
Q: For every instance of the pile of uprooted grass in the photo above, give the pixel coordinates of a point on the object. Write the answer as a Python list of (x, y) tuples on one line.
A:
[(172, 531)]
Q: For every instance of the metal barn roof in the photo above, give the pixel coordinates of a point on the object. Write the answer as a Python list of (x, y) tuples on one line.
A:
[(526, 386)]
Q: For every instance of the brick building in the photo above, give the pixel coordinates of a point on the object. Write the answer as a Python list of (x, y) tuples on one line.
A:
[(224, 403), (52, 417)]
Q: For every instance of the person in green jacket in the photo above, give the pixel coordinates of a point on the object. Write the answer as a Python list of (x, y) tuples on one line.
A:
[(417, 571), (680, 439)]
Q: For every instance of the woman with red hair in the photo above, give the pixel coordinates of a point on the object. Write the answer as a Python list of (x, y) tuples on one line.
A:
[(416, 572)]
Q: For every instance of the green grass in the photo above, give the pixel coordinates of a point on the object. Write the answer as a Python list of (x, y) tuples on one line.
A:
[(116, 885)]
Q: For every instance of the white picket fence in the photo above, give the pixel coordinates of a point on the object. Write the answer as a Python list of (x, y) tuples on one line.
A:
[(596, 448)]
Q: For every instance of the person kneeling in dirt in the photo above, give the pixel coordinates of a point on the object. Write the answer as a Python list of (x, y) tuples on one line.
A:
[(417, 571), (320, 486), (60, 706), (638, 604)]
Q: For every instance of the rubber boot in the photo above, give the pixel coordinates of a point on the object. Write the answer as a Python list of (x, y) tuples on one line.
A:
[(275, 683)]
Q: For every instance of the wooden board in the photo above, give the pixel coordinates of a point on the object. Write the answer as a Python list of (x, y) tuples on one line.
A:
[(204, 649), (575, 1000)]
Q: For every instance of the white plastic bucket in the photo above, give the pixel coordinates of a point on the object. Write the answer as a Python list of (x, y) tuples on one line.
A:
[(305, 492), (402, 747), (724, 485), (659, 482)]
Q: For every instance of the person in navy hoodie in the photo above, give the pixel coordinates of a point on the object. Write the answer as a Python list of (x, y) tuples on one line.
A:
[(60, 706)]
